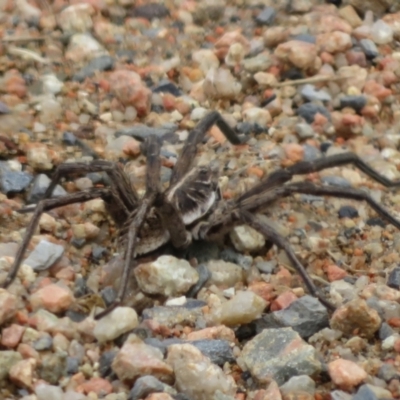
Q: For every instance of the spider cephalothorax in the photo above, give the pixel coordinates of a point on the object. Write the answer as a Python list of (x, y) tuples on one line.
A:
[(191, 206)]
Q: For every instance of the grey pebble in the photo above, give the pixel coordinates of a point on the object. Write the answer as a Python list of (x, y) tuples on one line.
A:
[(354, 102), (369, 48), (218, 351), (43, 343), (311, 93), (105, 362), (311, 153), (266, 16), (141, 132), (146, 385), (365, 393), (101, 63), (335, 181), (306, 316), (40, 184), (44, 255), (309, 110), (394, 278), (53, 366), (14, 181)]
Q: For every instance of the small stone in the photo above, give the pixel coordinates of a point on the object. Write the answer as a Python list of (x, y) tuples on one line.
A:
[(242, 308), (305, 131), (53, 298), (83, 47), (260, 62), (356, 316), (114, 324), (40, 184), (266, 16), (355, 102), (195, 375), (306, 316), (96, 385), (146, 385), (51, 84), (52, 367), (224, 274), (39, 158), (8, 359), (245, 238), (257, 116), (8, 306), (299, 384), (14, 181), (167, 275), (101, 63), (287, 354), (348, 212), (136, 359), (44, 255), (394, 278), (129, 89), (308, 111), (12, 335), (21, 373), (310, 93), (334, 42), (369, 48), (45, 392), (221, 84), (381, 32), (300, 54), (346, 374), (218, 351), (150, 11)]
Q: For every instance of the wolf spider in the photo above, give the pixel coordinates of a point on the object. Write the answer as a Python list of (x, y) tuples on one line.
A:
[(191, 208)]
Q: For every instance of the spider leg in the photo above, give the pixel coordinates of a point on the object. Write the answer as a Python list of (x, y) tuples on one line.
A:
[(46, 205), (342, 192), (118, 180), (196, 135), (276, 238), (138, 217), (284, 175)]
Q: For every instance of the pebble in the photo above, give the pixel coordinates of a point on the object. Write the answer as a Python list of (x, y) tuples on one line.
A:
[(346, 374), (39, 158), (8, 306), (14, 181), (356, 315), (299, 53), (53, 298), (308, 111), (266, 16), (369, 48), (246, 239), (224, 274), (167, 275), (218, 351), (298, 385), (116, 323), (348, 212), (310, 93), (146, 385), (101, 63), (306, 316), (242, 308), (39, 186), (44, 255), (136, 359), (394, 278), (44, 392), (203, 379), (267, 356)]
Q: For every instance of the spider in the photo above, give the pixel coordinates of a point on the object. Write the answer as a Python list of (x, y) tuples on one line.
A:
[(191, 208)]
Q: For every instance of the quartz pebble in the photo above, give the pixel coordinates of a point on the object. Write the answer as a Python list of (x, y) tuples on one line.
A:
[(119, 321), (203, 379), (167, 275)]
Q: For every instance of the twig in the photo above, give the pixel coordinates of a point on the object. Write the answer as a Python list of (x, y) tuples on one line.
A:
[(313, 79), (15, 39), (29, 54)]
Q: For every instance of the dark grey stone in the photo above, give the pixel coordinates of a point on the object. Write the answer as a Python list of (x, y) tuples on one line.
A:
[(348, 212), (150, 11), (306, 316), (394, 278), (385, 331), (387, 372), (218, 351), (72, 365), (204, 276), (266, 16), (309, 110), (167, 87), (146, 385), (105, 362), (354, 102), (101, 63), (369, 48)]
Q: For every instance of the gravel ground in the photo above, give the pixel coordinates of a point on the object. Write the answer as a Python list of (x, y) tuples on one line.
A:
[(219, 321)]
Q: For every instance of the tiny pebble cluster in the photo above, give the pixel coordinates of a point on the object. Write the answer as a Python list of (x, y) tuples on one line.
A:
[(299, 80)]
